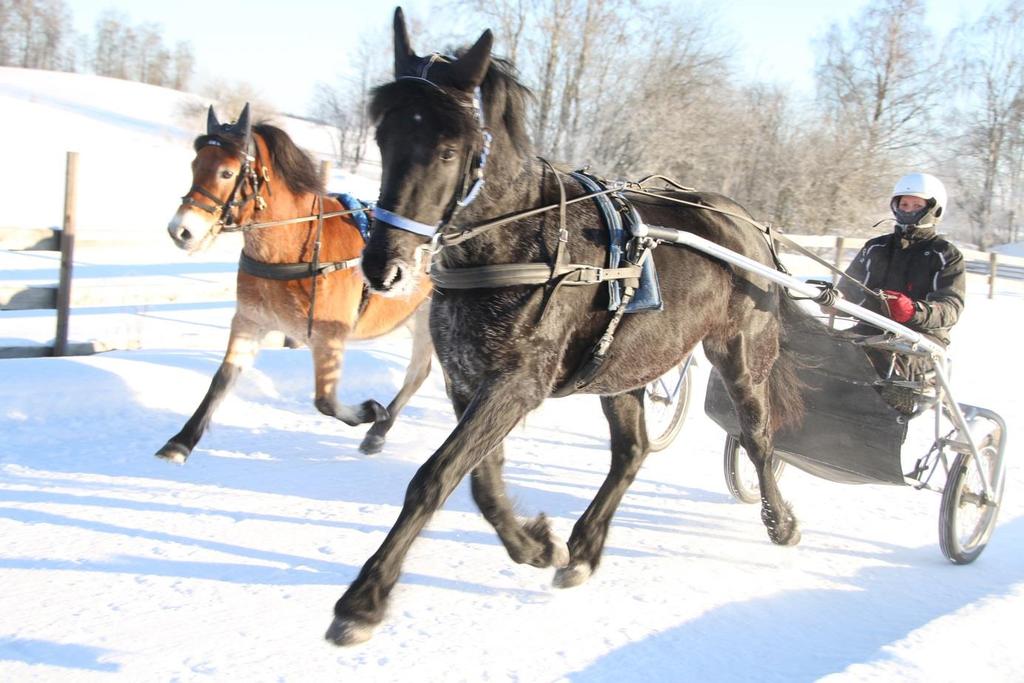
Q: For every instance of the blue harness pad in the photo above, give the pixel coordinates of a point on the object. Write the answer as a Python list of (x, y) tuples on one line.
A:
[(648, 295), (361, 219)]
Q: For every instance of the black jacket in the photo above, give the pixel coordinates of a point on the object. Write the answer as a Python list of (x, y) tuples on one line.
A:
[(922, 265)]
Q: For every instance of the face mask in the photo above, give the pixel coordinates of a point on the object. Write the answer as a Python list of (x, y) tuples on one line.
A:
[(908, 218), (911, 218)]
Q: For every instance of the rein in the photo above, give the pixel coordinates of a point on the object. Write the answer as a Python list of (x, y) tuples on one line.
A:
[(302, 219)]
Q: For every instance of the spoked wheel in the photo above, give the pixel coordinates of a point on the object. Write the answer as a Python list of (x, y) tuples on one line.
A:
[(740, 474), (666, 400), (968, 515)]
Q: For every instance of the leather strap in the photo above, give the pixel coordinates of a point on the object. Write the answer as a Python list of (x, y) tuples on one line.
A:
[(512, 274), (290, 271)]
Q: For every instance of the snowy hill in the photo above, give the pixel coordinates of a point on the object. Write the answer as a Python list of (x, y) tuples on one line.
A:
[(119, 567), (134, 142)]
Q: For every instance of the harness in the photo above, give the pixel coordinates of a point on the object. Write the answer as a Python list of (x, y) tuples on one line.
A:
[(628, 268), (622, 274), (227, 222), (312, 269), (307, 269), (626, 264)]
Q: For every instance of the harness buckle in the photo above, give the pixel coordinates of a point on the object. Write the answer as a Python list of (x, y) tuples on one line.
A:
[(429, 250)]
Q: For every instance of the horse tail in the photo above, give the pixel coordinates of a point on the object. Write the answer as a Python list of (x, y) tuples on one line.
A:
[(785, 388)]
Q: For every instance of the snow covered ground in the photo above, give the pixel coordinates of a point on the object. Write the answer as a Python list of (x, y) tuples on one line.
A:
[(117, 566)]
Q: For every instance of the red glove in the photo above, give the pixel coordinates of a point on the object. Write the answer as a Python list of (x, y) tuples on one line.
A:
[(901, 306)]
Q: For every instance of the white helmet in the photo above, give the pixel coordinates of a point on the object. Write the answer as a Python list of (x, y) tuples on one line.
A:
[(928, 188)]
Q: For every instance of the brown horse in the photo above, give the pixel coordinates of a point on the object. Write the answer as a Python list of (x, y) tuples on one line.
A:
[(246, 173)]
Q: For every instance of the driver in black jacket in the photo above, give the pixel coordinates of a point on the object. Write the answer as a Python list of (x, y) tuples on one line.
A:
[(919, 274)]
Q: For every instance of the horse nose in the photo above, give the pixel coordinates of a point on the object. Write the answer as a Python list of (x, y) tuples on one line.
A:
[(373, 261), (178, 232)]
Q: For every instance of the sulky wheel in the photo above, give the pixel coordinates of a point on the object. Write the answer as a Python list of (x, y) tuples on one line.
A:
[(968, 516), (666, 400), (740, 475)]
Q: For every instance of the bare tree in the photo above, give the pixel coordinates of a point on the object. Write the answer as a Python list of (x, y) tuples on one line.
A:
[(6, 31), (106, 55), (138, 53), (989, 120), (151, 58), (331, 106), (184, 61), (34, 34), (509, 19), (1015, 171), (664, 99), (881, 75), (345, 105), (553, 31), (877, 82), (602, 27)]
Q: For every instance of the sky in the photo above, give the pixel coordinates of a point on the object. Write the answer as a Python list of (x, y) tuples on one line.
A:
[(285, 48)]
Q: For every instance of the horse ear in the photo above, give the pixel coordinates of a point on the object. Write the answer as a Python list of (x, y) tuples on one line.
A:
[(212, 124), (469, 70), (403, 49), (244, 126)]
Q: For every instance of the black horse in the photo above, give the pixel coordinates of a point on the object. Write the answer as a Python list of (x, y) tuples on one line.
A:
[(504, 349)]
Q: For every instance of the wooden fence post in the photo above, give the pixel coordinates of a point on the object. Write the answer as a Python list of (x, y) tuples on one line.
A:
[(67, 252), (993, 265), (325, 171)]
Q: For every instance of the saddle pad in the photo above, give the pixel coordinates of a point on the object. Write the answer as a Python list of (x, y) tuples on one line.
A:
[(648, 295), (360, 218)]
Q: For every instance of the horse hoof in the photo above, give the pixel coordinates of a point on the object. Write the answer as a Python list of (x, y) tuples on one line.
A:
[(372, 444), (374, 412), (569, 577), (173, 452), (559, 553), (346, 632), (554, 553), (791, 538)]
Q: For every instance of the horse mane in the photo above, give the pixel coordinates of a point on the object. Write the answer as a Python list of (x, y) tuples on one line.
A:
[(290, 163), (508, 99), (505, 100)]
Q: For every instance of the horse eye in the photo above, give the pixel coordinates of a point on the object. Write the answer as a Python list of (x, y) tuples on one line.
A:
[(226, 174), (448, 155)]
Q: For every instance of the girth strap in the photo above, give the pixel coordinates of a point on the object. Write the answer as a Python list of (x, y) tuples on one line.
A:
[(290, 271), (511, 274)]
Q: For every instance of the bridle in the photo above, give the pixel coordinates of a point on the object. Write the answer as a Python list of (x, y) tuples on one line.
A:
[(473, 169), (257, 181), (228, 212)]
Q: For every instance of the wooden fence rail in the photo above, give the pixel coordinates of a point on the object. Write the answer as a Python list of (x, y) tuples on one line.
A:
[(60, 297)]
